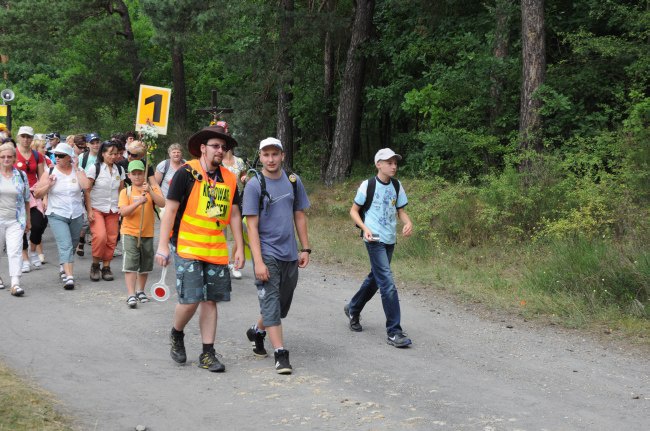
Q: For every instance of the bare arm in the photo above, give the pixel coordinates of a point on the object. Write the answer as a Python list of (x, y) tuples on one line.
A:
[(45, 182), (408, 225), (300, 219), (356, 217), (157, 196), (237, 233), (261, 271), (166, 224)]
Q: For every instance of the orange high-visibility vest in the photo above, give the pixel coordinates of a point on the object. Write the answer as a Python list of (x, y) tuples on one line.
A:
[(200, 233)]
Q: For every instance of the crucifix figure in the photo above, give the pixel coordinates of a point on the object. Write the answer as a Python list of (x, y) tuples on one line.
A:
[(213, 110)]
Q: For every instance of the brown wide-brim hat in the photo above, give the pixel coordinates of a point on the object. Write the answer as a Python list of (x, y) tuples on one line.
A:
[(204, 135)]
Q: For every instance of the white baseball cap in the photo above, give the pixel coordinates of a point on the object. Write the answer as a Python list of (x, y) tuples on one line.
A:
[(385, 154), (271, 142), (26, 130)]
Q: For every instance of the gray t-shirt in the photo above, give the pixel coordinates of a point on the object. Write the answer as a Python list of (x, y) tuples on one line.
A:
[(8, 195), (276, 225)]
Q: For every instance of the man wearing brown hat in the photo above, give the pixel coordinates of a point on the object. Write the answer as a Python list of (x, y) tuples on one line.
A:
[(202, 200)]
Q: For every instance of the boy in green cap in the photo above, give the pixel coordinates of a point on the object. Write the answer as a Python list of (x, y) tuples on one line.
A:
[(137, 211)]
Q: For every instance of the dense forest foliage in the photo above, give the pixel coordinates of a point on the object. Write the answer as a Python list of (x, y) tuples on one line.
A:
[(529, 120)]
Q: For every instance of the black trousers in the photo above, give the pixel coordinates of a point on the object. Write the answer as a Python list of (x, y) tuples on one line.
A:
[(39, 223)]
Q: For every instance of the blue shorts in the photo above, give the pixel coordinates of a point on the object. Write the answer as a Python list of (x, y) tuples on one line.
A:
[(198, 281), (276, 294)]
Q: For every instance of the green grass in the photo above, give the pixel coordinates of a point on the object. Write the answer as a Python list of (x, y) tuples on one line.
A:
[(25, 407), (547, 282)]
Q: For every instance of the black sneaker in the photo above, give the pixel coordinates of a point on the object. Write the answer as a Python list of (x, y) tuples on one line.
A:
[(209, 361), (353, 320), (177, 351), (257, 340), (282, 365), (398, 339)]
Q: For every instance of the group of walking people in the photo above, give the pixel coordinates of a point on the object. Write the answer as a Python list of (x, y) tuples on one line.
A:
[(199, 198)]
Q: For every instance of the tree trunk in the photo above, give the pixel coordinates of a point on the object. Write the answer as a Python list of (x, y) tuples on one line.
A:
[(348, 115), (285, 122), (533, 73), (131, 54), (503, 14), (328, 91), (178, 78)]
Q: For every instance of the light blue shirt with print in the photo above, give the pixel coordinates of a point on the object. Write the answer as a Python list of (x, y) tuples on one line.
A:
[(381, 217)]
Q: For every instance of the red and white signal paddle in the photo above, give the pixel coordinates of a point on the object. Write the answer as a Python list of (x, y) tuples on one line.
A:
[(160, 291)]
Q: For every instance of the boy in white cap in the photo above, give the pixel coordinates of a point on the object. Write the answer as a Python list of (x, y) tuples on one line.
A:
[(273, 203), (377, 205)]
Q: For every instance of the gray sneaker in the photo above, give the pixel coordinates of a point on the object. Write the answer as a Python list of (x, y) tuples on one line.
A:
[(353, 321), (398, 339)]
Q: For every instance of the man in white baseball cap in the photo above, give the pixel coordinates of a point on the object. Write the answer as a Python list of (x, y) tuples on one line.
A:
[(26, 130), (380, 201), (386, 154), (274, 204)]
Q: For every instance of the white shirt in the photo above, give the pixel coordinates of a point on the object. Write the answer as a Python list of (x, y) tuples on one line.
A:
[(105, 192), (65, 198)]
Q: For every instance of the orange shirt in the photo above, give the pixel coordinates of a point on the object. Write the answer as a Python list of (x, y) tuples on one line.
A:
[(131, 223)]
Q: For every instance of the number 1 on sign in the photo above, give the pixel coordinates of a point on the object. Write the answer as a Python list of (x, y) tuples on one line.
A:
[(156, 99), (153, 108)]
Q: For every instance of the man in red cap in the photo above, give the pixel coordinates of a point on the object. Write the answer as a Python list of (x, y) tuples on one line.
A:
[(202, 200)]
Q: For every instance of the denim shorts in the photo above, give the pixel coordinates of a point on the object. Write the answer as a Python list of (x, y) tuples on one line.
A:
[(198, 281), (136, 259), (276, 294)]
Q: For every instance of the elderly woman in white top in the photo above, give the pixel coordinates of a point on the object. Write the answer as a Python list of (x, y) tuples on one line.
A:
[(63, 185), (14, 213), (101, 206)]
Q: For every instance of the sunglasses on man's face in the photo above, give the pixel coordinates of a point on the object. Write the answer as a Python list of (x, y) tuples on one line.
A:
[(217, 146), (60, 156), (81, 147), (134, 154)]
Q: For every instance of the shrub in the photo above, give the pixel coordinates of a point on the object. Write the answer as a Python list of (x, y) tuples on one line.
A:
[(595, 272)]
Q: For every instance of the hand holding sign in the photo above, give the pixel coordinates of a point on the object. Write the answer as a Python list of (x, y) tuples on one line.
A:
[(160, 291)]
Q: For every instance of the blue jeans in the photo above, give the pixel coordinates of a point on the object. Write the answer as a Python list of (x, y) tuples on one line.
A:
[(380, 277), (66, 233)]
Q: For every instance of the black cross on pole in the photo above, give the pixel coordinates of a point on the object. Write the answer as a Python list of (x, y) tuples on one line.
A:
[(213, 110)]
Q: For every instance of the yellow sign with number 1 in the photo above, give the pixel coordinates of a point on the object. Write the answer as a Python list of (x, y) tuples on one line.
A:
[(153, 107), (3, 110)]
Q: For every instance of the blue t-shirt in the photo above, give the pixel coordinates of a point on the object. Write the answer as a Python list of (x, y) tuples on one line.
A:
[(276, 223), (381, 217)]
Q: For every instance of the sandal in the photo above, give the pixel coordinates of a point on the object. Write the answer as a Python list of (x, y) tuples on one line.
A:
[(80, 249), (132, 302), (17, 291), (2, 284)]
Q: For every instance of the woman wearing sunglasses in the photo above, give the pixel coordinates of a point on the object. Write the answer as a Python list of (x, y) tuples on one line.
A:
[(106, 181), (63, 185), (14, 213)]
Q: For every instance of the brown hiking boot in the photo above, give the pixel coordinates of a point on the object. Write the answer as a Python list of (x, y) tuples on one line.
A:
[(107, 274), (94, 272)]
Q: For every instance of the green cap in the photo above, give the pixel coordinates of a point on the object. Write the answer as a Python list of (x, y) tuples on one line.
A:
[(136, 165)]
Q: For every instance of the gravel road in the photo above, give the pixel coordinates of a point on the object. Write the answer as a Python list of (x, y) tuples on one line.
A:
[(110, 366)]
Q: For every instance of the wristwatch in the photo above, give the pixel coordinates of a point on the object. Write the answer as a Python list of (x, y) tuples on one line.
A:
[(307, 250)]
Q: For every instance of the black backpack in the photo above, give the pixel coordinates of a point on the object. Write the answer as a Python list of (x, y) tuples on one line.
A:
[(98, 165), (293, 179), (370, 195)]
